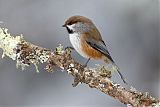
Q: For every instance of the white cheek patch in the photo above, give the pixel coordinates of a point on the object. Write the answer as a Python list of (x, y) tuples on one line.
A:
[(72, 27), (79, 27)]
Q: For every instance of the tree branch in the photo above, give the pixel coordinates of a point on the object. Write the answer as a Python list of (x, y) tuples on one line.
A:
[(26, 53)]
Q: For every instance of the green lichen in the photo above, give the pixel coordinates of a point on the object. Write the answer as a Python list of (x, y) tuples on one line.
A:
[(8, 43), (103, 71), (59, 49), (21, 65), (23, 52), (156, 104), (36, 66)]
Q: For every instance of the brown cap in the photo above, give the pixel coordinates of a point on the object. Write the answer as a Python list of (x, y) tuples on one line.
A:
[(76, 19)]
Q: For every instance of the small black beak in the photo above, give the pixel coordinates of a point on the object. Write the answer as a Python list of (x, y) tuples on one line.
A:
[(63, 25)]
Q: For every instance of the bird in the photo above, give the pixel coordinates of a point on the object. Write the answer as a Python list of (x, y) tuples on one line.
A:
[(87, 41)]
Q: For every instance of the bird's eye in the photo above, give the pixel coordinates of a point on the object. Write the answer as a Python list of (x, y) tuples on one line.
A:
[(70, 31), (70, 23)]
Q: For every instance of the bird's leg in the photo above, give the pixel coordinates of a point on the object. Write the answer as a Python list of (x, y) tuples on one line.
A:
[(86, 62)]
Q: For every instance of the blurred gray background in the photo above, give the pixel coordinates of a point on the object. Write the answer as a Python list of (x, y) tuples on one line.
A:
[(129, 27)]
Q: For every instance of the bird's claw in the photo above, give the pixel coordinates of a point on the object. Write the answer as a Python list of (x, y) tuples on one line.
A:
[(69, 47), (85, 65)]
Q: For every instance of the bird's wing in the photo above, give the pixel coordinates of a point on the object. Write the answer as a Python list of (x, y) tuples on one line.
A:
[(100, 46)]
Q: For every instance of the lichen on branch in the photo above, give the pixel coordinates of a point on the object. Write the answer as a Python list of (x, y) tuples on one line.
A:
[(26, 53), (23, 52)]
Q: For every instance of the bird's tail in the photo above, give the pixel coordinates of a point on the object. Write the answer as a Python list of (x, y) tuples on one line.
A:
[(115, 68), (122, 77)]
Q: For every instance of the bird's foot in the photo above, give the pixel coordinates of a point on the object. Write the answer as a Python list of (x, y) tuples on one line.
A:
[(69, 48), (85, 65)]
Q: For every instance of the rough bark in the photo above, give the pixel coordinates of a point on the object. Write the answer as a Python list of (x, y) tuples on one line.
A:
[(26, 53)]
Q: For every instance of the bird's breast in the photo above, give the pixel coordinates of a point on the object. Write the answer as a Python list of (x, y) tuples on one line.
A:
[(84, 49), (77, 44)]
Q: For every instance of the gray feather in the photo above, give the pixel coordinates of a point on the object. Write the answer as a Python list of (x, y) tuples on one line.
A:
[(100, 46)]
